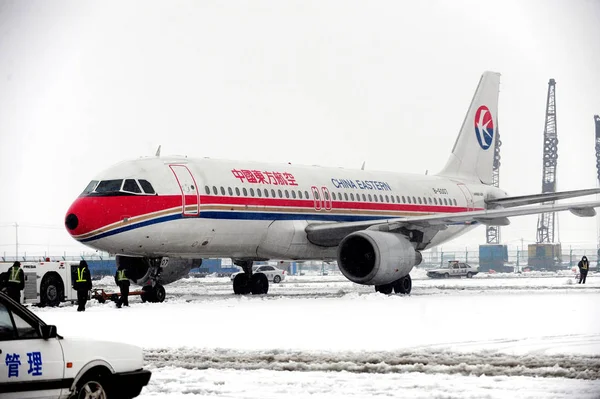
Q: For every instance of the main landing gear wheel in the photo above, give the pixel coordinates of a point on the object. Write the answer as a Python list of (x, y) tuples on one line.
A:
[(403, 285), (248, 282), (241, 284), (259, 284), (384, 289)]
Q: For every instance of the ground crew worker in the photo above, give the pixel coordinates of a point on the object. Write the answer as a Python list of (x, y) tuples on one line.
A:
[(584, 266), (83, 284), (122, 281), (16, 281)]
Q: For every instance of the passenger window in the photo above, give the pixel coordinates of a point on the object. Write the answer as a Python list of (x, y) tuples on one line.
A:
[(370, 198), (408, 200), (259, 192), (403, 200), (7, 330), (222, 191), (381, 197), (435, 201), (364, 198), (293, 194), (333, 196), (387, 199), (299, 194), (346, 196), (207, 189), (375, 197), (230, 191), (109, 186), (352, 196), (147, 187), (237, 191), (287, 194), (455, 204), (397, 199), (306, 195), (215, 192), (24, 329), (414, 200), (252, 192), (245, 192), (266, 193), (90, 187), (131, 186), (326, 195), (316, 194), (393, 199), (273, 193), (280, 193)]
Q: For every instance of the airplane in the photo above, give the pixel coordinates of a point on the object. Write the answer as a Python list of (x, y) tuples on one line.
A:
[(161, 215)]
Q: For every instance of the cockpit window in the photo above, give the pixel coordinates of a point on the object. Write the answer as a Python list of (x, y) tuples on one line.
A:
[(90, 187), (131, 186), (147, 187), (108, 186)]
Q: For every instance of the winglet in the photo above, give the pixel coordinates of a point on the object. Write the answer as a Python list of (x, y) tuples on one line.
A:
[(158, 151)]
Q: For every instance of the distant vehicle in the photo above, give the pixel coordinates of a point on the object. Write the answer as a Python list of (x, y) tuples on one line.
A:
[(47, 283), (39, 363), (454, 269), (273, 274)]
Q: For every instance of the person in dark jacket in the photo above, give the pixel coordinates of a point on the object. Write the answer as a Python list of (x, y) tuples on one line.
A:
[(15, 282), (83, 284), (584, 266), (122, 281)]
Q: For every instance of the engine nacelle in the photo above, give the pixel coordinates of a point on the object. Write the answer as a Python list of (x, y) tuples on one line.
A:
[(376, 258), (140, 270)]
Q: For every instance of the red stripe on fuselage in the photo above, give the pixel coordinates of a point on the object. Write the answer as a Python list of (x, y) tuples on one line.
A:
[(96, 212)]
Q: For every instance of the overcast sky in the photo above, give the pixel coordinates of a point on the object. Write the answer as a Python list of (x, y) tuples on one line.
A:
[(85, 84)]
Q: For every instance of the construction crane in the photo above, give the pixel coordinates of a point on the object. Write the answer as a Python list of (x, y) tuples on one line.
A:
[(492, 233), (597, 121), (545, 226)]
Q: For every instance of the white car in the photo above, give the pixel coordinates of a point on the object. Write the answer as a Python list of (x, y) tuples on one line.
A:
[(36, 362), (454, 269), (273, 274)]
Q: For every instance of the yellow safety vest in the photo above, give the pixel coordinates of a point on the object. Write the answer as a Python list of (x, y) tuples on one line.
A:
[(584, 265), (80, 278), (14, 275), (121, 275)]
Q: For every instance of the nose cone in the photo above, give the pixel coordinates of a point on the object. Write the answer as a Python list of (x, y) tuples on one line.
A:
[(71, 221)]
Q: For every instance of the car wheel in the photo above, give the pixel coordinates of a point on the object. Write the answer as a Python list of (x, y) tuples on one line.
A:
[(277, 279), (469, 275), (446, 275), (92, 386), (51, 290)]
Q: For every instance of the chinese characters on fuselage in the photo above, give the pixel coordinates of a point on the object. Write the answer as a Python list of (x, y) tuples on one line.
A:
[(260, 177)]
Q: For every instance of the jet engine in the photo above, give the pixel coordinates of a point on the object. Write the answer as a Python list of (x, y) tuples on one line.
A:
[(376, 258), (142, 270)]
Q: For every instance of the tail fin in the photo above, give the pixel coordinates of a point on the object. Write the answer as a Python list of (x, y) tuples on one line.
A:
[(472, 157)]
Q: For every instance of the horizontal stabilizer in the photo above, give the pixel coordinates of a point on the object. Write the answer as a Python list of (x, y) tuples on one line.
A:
[(508, 202)]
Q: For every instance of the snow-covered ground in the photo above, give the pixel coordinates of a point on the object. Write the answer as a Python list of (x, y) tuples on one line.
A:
[(492, 336)]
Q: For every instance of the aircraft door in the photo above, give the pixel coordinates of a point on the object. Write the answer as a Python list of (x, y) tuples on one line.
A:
[(189, 190), (316, 198), (468, 196)]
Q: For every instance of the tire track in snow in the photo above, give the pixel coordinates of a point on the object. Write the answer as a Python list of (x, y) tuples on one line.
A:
[(424, 361)]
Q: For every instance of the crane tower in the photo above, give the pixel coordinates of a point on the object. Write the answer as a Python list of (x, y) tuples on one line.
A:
[(545, 226)]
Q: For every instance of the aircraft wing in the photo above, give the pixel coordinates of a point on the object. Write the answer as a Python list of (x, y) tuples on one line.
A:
[(330, 234), (507, 202)]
